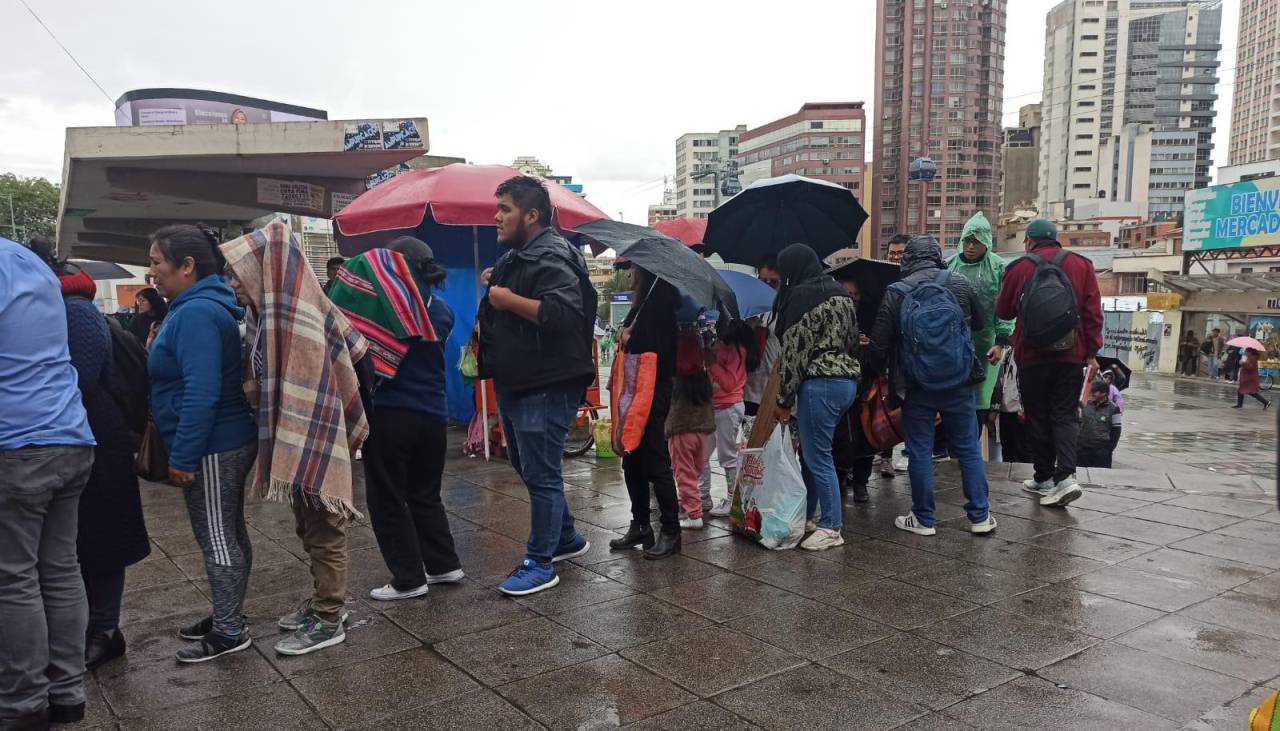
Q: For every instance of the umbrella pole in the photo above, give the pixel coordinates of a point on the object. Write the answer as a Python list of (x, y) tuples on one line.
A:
[(484, 389)]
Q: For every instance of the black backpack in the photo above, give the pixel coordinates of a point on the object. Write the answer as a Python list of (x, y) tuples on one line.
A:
[(126, 378), (1048, 316)]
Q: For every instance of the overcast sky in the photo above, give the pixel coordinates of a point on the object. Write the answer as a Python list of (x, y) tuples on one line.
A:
[(597, 90)]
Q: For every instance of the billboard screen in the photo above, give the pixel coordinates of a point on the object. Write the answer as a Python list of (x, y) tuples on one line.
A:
[(149, 107), (1232, 216)]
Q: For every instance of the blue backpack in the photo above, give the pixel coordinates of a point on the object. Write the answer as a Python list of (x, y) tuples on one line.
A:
[(936, 353)]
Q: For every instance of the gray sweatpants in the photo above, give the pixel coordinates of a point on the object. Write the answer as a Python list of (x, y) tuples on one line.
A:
[(215, 503), (43, 611), (725, 442)]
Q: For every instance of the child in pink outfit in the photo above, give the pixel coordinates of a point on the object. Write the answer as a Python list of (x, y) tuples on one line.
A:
[(731, 358), (690, 419)]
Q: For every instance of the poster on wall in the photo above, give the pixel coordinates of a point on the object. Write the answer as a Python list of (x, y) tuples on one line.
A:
[(401, 135), (1266, 330), (291, 195), (151, 107), (1232, 216), (362, 136)]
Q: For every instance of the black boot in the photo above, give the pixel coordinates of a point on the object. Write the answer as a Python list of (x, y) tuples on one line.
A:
[(101, 647), (66, 714), (859, 493), (639, 535), (38, 721), (667, 545)]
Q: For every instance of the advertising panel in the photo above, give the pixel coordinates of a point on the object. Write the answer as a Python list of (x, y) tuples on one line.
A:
[(1232, 216), (150, 107)]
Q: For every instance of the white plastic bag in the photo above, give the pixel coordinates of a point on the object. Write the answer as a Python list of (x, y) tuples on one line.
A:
[(769, 497)]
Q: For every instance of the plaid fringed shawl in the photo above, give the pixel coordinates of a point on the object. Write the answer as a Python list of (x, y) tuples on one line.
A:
[(310, 418), (378, 293)]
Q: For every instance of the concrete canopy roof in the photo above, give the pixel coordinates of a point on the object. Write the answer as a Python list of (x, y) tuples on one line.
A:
[(1266, 283), (120, 184)]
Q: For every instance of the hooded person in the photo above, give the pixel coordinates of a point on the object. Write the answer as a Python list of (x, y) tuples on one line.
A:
[(301, 378), (976, 262), (816, 322)]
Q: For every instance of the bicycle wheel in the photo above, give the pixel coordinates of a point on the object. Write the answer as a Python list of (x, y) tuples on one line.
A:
[(581, 437), (1266, 382)]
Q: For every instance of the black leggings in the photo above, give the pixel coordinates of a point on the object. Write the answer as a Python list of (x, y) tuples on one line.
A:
[(105, 590), (1240, 399)]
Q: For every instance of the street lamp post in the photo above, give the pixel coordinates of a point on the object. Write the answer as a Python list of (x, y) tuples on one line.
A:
[(923, 170)]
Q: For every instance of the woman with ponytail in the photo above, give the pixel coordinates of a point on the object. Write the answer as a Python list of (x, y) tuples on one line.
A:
[(198, 405)]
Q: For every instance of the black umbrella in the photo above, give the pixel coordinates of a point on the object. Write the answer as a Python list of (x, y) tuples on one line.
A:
[(873, 277), (1122, 371), (664, 257), (773, 213), (102, 269)]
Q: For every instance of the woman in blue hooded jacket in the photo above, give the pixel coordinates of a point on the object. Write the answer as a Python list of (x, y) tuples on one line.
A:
[(199, 407)]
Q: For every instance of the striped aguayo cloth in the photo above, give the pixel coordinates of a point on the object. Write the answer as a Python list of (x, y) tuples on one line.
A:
[(310, 418), (378, 293)]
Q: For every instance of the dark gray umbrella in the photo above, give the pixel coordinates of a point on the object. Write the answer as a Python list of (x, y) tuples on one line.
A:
[(666, 258), (773, 213), (102, 269)]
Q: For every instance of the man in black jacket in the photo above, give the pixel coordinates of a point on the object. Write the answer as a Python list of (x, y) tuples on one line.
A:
[(536, 325), (921, 262)]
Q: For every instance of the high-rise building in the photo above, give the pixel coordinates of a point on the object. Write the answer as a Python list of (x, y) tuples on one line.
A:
[(699, 152), (824, 140), (666, 210), (1020, 162), (939, 88), (1255, 130), (1128, 101)]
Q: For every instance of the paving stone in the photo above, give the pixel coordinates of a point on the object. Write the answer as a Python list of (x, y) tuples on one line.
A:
[(578, 588), (1031, 703), (384, 686), (1009, 527), (971, 582), (1214, 573), (1231, 652), (1200, 520), (517, 651), (450, 611), (179, 598), (481, 709), (1033, 561), (1163, 592), (700, 716), (1223, 505), (723, 597), (1105, 501), (805, 574), (813, 697), (1256, 531), (1092, 545), (811, 630), (712, 660), (1246, 612), (1134, 529), (897, 604), (1028, 507), (149, 687), (275, 706), (1267, 587), (156, 569), (1231, 716), (1232, 548), (630, 621), (884, 558), (1159, 686), (925, 672), (369, 635), (731, 552), (642, 574), (1090, 614), (604, 692), (1010, 639)]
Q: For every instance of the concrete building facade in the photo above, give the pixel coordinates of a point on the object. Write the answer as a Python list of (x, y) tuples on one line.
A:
[(697, 152), (824, 140), (1255, 104), (939, 90), (1128, 105), (1020, 161)]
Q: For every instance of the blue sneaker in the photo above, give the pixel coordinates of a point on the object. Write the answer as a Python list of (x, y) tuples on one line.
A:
[(529, 578), (575, 548)]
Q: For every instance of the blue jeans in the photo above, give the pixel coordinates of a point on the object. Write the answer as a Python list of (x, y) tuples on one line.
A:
[(819, 406), (1213, 365), (961, 424), (536, 425)]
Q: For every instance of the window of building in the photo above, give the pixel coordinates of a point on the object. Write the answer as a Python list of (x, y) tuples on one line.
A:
[(815, 125)]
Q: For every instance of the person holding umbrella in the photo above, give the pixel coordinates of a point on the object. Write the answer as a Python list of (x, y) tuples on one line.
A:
[(818, 377), (1249, 385)]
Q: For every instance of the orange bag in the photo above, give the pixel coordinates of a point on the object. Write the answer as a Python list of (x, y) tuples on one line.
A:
[(631, 385), (881, 423)]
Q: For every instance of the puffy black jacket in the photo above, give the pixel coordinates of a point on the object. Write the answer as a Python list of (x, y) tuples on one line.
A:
[(921, 261), (523, 356)]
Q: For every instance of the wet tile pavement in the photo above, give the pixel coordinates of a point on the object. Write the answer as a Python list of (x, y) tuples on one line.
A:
[(1152, 603)]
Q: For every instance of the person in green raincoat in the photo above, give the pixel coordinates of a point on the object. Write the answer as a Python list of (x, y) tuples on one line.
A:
[(984, 269)]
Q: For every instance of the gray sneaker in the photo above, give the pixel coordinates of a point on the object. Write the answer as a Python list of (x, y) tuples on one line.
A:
[(1035, 487), (302, 616), (1063, 493), (316, 635)]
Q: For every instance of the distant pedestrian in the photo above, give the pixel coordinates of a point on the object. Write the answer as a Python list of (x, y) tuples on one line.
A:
[(151, 309), (46, 449), (1217, 344), (537, 322), (818, 378), (927, 318), (1231, 364), (331, 268), (301, 381), (1054, 295), (1007, 413), (1097, 419), (766, 342), (1117, 399), (897, 245), (1189, 353), (199, 407), (1249, 382)]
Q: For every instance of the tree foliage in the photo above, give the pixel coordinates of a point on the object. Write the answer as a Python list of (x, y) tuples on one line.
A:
[(34, 210)]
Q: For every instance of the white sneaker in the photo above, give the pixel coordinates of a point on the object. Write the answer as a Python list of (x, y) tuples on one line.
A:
[(900, 464), (910, 524), (1041, 488), (451, 577), (1063, 493), (389, 593), (822, 539), (985, 526), (691, 523), (810, 526), (721, 508)]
